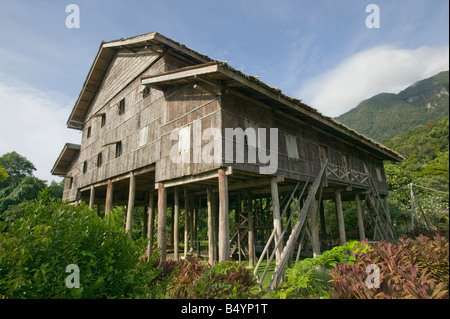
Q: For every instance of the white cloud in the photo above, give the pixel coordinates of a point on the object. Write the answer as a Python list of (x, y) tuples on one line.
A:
[(367, 73), (33, 123)]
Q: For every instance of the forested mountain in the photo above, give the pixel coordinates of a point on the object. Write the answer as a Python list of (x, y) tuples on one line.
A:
[(425, 148), (386, 115)]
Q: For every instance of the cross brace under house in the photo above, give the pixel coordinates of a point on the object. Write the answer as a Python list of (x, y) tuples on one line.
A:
[(378, 214)]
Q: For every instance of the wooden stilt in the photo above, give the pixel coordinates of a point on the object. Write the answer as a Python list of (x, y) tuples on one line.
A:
[(340, 217), (211, 240), (145, 220), (323, 228), (151, 218), (362, 234), (176, 219), (389, 226), (238, 221), (197, 243), (162, 221), (172, 215), (109, 197), (251, 236), (215, 215), (315, 241), (92, 197), (276, 217), (130, 205), (224, 236), (191, 223), (186, 221)]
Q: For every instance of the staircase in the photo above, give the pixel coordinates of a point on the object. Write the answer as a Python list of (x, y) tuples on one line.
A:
[(378, 213), (288, 249)]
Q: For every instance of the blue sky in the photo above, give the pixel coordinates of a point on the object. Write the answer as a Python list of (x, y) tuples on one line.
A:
[(319, 51)]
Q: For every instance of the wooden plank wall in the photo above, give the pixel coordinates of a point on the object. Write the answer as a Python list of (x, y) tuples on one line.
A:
[(138, 128), (301, 147), (185, 105)]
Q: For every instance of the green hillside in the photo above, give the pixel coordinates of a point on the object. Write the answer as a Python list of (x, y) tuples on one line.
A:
[(426, 149), (386, 115), (426, 165)]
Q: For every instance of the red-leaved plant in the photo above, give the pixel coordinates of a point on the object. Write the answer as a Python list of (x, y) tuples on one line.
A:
[(412, 268)]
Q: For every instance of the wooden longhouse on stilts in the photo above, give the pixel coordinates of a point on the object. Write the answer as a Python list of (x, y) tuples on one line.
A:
[(166, 127)]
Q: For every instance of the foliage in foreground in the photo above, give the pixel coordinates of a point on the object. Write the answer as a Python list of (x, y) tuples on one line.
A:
[(36, 249), (309, 278), (224, 280), (412, 268)]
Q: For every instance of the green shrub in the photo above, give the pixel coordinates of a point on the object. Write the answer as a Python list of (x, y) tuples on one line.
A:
[(36, 249), (309, 278)]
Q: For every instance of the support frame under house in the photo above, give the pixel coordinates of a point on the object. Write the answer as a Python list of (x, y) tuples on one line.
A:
[(148, 99)]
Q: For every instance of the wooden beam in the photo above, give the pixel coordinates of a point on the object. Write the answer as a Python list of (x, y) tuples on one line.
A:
[(194, 178), (109, 197), (186, 221), (251, 233), (224, 236), (257, 182), (313, 213), (215, 214), (211, 245), (322, 220), (92, 197), (340, 216), (162, 221), (176, 217), (276, 218), (130, 205), (180, 74), (151, 220), (191, 222), (362, 234)]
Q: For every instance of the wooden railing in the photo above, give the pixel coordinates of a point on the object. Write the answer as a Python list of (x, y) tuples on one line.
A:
[(340, 173)]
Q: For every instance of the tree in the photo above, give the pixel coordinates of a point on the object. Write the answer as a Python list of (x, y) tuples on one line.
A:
[(56, 189), (27, 189), (3, 174), (17, 167)]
